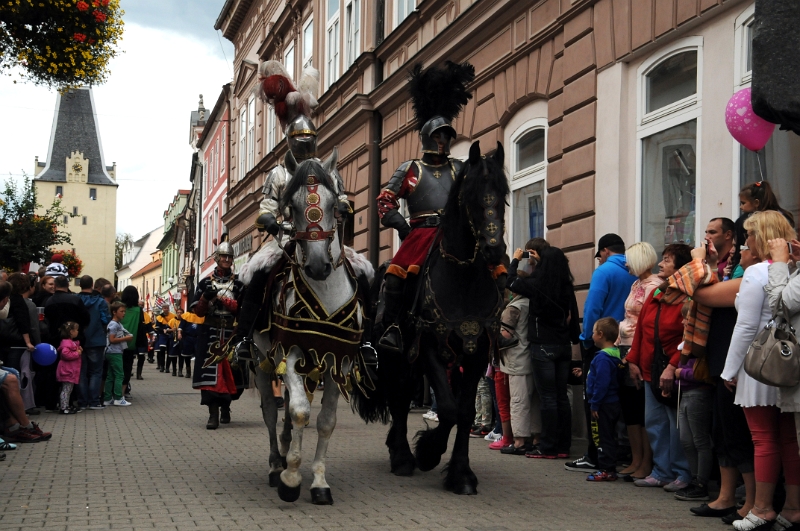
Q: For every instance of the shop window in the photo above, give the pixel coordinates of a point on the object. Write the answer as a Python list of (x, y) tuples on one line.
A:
[(528, 214), (672, 80), (669, 186), (529, 170), (778, 163)]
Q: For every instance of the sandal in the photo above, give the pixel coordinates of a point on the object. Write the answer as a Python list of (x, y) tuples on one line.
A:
[(752, 522), (6, 446), (782, 524)]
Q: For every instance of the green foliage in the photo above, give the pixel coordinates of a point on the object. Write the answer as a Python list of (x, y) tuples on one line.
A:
[(60, 43), (24, 235)]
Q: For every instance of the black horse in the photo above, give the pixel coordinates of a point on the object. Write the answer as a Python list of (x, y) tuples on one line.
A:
[(453, 332)]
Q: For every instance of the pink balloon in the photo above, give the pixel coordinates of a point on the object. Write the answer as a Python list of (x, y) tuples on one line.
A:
[(749, 129)]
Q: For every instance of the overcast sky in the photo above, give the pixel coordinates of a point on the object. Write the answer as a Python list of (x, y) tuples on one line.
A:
[(171, 55)]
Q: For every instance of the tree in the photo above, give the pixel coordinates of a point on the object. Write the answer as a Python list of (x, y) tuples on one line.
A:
[(24, 235), (60, 43), (122, 240)]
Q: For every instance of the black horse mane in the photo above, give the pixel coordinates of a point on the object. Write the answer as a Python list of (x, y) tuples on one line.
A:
[(469, 189), (304, 169)]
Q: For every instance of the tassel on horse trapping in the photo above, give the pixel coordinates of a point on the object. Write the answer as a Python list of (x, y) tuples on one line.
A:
[(281, 370), (267, 366)]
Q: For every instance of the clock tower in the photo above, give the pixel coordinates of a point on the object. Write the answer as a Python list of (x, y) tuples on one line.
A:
[(75, 172)]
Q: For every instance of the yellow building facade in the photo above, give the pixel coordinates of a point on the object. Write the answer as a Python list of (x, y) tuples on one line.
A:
[(76, 173)]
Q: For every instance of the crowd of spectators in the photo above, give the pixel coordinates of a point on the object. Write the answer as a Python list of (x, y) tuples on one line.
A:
[(660, 356)]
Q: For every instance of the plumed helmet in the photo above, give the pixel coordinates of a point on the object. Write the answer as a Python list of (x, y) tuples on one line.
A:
[(302, 138), (438, 94)]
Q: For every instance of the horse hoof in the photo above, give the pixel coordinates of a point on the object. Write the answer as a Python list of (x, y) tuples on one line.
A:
[(274, 479), (466, 490), (287, 493), (404, 469), (321, 496)]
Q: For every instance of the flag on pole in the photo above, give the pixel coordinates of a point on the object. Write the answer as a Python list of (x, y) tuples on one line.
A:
[(147, 303), (171, 301)]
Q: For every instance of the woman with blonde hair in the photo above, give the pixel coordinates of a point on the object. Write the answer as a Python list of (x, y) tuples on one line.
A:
[(641, 258), (759, 401)]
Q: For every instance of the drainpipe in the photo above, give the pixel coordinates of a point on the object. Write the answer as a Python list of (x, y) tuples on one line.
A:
[(374, 222)]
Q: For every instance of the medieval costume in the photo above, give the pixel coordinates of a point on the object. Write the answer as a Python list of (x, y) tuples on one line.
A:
[(189, 329), (175, 351), (438, 95), (163, 343), (218, 297)]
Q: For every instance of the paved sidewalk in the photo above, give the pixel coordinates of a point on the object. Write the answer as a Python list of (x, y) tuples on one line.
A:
[(154, 466)]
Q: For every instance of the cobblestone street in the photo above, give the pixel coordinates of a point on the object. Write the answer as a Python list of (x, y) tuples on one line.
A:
[(154, 466)]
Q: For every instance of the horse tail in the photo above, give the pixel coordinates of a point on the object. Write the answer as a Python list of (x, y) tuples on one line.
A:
[(372, 407)]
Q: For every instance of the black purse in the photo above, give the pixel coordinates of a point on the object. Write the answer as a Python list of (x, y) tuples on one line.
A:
[(657, 366)]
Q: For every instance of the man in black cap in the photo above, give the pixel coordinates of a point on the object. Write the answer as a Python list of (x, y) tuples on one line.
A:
[(610, 287)]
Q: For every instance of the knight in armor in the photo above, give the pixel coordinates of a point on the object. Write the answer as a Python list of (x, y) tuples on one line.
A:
[(163, 344), (217, 301), (438, 94), (293, 107)]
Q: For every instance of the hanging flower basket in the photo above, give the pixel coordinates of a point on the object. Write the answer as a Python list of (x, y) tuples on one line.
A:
[(71, 261)]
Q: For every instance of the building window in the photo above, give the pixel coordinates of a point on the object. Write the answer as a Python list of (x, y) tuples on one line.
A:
[(222, 164), (332, 44), (203, 242), (60, 191), (308, 43), (84, 220), (529, 170), (74, 211), (288, 60), (205, 178), (242, 142), (270, 128), (251, 133), (779, 164), (669, 186), (93, 194), (353, 28), (670, 98), (672, 80), (216, 225), (66, 220), (402, 9)]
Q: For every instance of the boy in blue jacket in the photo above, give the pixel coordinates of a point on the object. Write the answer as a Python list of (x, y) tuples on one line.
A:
[(602, 392)]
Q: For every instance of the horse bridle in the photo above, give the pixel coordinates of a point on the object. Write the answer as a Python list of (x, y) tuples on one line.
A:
[(314, 232), (490, 228)]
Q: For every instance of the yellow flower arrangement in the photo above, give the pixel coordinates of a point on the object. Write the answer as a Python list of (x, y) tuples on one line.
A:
[(60, 43)]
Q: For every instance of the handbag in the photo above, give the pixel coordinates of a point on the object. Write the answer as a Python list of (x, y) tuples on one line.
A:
[(657, 366), (774, 356)]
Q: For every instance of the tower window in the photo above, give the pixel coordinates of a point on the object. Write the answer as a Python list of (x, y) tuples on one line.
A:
[(93, 194), (84, 220), (66, 220), (59, 190), (74, 211)]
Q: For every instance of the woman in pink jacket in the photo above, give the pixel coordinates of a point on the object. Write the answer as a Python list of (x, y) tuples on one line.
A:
[(69, 366)]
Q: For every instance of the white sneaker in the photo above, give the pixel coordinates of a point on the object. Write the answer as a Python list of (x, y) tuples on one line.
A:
[(430, 415), (492, 436), (108, 402), (121, 402)]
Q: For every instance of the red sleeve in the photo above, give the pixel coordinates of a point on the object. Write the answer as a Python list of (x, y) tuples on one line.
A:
[(202, 307), (230, 304)]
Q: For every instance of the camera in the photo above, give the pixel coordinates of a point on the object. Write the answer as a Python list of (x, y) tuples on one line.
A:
[(526, 255)]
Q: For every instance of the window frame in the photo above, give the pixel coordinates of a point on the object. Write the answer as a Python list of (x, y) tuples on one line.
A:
[(677, 113), (93, 194), (537, 173), (333, 48), (396, 20), (741, 79), (271, 133), (60, 191), (222, 151), (251, 133), (352, 10), (308, 55), (290, 65)]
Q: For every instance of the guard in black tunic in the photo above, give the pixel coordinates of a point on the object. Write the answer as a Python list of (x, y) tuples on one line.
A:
[(218, 297)]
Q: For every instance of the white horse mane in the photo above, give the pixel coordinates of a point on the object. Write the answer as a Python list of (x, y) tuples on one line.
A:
[(269, 255)]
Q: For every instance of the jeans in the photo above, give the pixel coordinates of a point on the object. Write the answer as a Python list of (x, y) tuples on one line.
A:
[(696, 414), (669, 461), (550, 372), (91, 376)]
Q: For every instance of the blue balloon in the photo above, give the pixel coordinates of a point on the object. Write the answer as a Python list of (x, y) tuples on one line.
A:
[(44, 354)]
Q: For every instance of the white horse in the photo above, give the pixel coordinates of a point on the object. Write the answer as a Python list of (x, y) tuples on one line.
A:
[(315, 324)]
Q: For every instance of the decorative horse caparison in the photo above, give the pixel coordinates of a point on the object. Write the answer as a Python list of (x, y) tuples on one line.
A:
[(315, 322), (453, 333)]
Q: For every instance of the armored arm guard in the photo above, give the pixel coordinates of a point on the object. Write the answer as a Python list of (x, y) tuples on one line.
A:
[(388, 204), (273, 188)]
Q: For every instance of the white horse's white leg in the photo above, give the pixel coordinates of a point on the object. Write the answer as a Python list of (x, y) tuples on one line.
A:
[(326, 422), (300, 412)]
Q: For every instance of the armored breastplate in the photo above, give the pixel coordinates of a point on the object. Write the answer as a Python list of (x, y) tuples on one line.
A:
[(433, 187), (225, 288)]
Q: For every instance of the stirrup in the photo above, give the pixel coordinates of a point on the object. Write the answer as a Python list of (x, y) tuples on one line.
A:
[(392, 339), (244, 350)]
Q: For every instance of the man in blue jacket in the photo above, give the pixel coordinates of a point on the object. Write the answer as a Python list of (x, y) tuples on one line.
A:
[(610, 287), (94, 346)]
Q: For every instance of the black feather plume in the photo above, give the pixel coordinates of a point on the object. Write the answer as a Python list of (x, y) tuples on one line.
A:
[(439, 91)]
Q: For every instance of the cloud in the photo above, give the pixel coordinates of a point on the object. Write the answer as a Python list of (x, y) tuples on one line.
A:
[(143, 114), (192, 18)]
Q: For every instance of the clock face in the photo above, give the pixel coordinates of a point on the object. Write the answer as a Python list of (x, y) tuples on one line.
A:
[(77, 168)]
